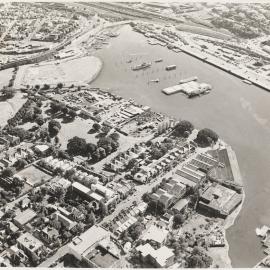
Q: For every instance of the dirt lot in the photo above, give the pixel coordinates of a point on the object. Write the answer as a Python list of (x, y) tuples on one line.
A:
[(34, 176), (67, 71)]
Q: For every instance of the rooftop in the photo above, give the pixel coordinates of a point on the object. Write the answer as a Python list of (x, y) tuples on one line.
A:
[(156, 234), (88, 239), (25, 216), (30, 242)]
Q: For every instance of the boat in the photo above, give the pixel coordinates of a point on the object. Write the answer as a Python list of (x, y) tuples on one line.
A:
[(156, 80), (159, 60), (188, 80), (171, 67), (142, 66), (129, 61), (247, 81)]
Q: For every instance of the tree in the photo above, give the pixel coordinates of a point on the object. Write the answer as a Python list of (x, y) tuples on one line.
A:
[(183, 128), (8, 93), (103, 209), (178, 220), (90, 148), (21, 163), (105, 129), (156, 153), (60, 85), (76, 146), (8, 172), (64, 110), (91, 219), (96, 127), (206, 137), (39, 119), (115, 136), (46, 86), (72, 114), (21, 133), (131, 163), (54, 127), (135, 230)]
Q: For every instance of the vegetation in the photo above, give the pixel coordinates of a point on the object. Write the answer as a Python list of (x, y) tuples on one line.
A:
[(8, 93), (206, 137), (183, 129), (54, 127), (8, 172), (199, 259)]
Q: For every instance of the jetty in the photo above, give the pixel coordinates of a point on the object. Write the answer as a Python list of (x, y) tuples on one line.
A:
[(190, 88)]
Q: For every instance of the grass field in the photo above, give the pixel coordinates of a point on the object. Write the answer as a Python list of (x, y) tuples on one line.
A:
[(79, 127)]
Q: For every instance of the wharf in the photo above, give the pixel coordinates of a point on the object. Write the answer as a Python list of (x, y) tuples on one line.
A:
[(238, 72)]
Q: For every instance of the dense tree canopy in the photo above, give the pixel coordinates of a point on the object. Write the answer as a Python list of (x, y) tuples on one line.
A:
[(8, 93), (8, 172), (183, 128), (206, 137), (54, 127), (77, 146)]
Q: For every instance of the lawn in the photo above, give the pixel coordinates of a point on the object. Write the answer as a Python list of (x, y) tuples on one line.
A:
[(79, 127), (33, 175)]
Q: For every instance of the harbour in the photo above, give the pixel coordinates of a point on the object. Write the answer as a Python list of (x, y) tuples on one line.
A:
[(236, 110)]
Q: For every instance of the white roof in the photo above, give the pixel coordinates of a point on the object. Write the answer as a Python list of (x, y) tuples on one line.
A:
[(30, 242), (161, 255), (156, 234), (81, 187), (42, 147), (82, 243)]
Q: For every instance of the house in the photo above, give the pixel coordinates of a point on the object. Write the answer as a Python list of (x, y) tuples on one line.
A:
[(25, 202), (125, 225), (24, 217), (69, 224), (181, 206), (30, 245), (155, 235), (49, 234), (42, 149), (159, 258)]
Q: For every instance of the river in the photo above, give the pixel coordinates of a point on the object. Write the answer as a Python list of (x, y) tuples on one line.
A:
[(238, 112)]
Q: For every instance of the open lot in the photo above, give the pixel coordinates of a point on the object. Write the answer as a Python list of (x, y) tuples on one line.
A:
[(5, 76), (79, 127), (83, 69), (34, 176), (10, 107)]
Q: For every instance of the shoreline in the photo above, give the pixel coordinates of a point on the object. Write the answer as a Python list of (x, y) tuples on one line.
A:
[(229, 223)]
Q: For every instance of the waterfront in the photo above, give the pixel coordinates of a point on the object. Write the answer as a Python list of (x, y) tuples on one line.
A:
[(237, 111)]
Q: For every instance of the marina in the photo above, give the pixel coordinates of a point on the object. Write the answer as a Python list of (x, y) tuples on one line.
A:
[(231, 98)]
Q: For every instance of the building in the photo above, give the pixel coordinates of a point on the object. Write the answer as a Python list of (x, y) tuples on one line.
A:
[(31, 246), (155, 235), (42, 149), (83, 245), (219, 200), (69, 224), (24, 217), (180, 207), (159, 258), (49, 234), (192, 173), (124, 225)]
